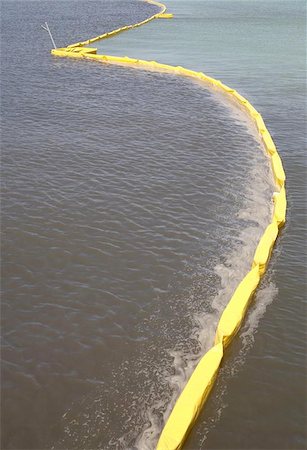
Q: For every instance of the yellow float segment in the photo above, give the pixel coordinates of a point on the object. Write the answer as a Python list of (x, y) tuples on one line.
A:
[(165, 16), (280, 207), (251, 110), (268, 142), (235, 310), (227, 88), (239, 97), (191, 400), (264, 248), (260, 123), (278, 170)]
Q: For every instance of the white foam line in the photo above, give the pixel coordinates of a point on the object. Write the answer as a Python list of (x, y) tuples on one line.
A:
[(258, 196)]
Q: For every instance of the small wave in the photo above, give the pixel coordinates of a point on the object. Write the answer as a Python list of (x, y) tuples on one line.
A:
[(143, 390), (257, 211)]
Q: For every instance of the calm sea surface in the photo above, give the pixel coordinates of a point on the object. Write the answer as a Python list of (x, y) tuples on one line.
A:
[(132, 205)]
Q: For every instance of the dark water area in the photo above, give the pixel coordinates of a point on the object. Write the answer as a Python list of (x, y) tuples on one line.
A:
[(69, 21), (132, 204), (259, 48)]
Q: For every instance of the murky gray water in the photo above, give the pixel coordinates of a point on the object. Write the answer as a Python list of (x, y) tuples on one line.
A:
[(129, 217)]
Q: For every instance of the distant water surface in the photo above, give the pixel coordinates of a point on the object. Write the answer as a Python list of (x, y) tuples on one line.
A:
[(132, 204)]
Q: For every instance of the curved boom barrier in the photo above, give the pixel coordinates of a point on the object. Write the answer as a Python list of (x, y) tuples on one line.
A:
[(196, 391)]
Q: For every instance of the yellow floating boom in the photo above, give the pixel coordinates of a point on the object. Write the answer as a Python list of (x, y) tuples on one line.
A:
[(197, 389)]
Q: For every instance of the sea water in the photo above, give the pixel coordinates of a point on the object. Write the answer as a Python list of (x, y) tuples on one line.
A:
[(132, 204)]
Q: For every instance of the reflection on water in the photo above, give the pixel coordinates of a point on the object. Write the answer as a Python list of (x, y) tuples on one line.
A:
[(129, 213)]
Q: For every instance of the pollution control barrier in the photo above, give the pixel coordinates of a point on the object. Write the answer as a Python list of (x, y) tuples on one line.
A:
[(198, 387)]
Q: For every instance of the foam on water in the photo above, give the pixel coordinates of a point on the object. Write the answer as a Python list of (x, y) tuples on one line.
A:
[(162, 368), (232, 365), (257, 211), (84, 356)]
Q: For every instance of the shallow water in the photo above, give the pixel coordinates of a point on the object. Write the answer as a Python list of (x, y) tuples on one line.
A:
[(129, 220)]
